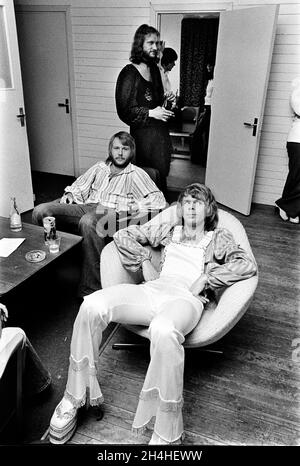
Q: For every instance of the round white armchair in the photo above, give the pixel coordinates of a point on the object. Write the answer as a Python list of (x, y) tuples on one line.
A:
[(218, 317)]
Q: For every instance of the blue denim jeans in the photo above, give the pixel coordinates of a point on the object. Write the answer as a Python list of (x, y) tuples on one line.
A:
[(67, 216)]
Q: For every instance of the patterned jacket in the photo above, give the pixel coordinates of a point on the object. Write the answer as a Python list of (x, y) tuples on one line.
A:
[(225, 261)]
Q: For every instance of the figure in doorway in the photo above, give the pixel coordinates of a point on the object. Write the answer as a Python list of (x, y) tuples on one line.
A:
[(199, 145), (167, 63)]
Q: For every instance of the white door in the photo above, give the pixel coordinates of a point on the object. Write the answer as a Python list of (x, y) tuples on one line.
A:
[(44, 61), (244, 52), (15, 174)]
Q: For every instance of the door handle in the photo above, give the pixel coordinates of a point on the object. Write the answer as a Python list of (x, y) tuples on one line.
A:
[(21, 116), (252, 125), (66, 105)]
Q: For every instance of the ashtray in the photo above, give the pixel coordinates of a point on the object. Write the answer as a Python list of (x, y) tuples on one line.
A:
[(35, 256)]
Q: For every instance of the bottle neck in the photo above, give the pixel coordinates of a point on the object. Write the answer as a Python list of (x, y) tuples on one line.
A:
[(14, 205)]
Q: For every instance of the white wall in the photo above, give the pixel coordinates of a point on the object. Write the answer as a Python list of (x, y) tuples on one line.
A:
[(102, 36), (272, 160), (102, 43), (102, 32), (169, 26)]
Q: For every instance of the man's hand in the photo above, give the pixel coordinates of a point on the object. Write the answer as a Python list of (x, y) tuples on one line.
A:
[(170, 96), (67, 198), (3, 316), (3, 312), (161, 113), (149, 271), (162, 45), (142, 207), (198, 285), (134, 208)]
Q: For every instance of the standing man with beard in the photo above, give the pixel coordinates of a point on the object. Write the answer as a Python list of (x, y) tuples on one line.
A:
[(139, 101), (101, 201)]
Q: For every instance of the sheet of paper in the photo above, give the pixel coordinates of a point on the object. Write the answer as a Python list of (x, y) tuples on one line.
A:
[(9, 245)]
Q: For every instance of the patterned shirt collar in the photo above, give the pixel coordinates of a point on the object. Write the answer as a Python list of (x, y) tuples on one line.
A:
[(128, 169)]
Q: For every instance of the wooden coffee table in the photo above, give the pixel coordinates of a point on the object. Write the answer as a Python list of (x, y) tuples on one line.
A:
[(15, 269)]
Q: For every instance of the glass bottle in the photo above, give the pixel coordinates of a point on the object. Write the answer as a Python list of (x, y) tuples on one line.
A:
[(15, 217), (130, 202)]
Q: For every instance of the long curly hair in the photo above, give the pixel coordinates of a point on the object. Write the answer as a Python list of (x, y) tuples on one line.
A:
[(137, 52), (202, 193)]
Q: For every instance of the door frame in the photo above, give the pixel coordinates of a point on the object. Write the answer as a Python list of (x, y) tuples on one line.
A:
[(71, 74), (157, 9), (14, 150)]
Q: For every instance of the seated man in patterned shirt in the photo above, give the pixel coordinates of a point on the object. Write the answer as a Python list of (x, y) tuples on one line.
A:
[(100, 202)]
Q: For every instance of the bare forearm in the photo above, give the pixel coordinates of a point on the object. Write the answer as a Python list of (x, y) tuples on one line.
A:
[(149, 271)]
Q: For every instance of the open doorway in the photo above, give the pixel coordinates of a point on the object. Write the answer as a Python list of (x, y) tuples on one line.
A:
[(245, 37), (194, 37)]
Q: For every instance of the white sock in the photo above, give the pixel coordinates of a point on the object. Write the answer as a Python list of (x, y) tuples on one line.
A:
[(283, 214)]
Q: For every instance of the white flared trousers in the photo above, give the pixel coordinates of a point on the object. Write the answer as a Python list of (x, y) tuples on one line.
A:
[(161, 395)]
